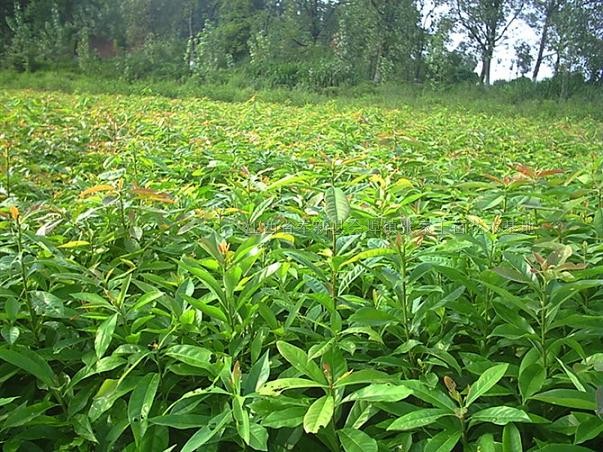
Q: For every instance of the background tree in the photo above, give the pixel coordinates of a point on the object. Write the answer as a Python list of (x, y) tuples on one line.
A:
[(487, 23), (381, 36), (523, 58), (315, 43), (576, 37), (541, 18)]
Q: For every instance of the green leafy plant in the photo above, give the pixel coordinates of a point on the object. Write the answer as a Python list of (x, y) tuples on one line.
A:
[(195, 275)]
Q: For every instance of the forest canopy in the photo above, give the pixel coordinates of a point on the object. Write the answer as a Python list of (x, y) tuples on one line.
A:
[(309, 43)]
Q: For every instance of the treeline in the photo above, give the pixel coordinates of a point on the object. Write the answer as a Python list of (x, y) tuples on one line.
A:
[(313, 43)]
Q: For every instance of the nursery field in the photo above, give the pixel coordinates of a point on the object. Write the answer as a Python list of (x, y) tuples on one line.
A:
[(181, 275)]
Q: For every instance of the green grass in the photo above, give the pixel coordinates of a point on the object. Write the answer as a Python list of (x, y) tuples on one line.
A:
[(516, 98), (340, 275)]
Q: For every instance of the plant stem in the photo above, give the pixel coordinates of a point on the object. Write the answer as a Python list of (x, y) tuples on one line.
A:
[(404, 291), (33, 318), (135, 165), (333, 269), (401, 246), (464, 429), (7, 173), (122, 214), (543, 312)]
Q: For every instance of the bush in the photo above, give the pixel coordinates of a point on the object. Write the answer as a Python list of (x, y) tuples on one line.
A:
[(30, 48), (158, 58)]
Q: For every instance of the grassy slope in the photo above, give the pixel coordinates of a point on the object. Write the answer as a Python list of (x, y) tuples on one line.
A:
[(513, 100)]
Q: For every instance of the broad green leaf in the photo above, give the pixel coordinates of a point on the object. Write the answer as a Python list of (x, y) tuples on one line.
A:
[(336, 205), (569, 398), (11, 307), (142, 398), (180, 421), (360, 413), (400, 184), (145, 299), (418, 418), (258, 437), (258, 374), (7, 400), (368, 331), (300, 360), (559, 255), (443, 441), (434, 397), (273, 388), (512, 274), (205, 277), (531, 380), (307, 259), (93, 300), (485, 382), (241, 417), (48, 305), (486, 443), (104, 334), (82, 426), (511, 316), (511, 441), (109, 392), (572, 376), (363, 376), (367, 254), (74, 244), (10, 334), (500, 415), (191, 354), (354, 440), (213, 428), (156, 439), (319, 414), (207, 309), (260, 208), (287, 418), (31, 363), (563, 447), (380, 392), (372, 317), (290, 179), (24, 414), (588, 429), (580, 321), (231, 279)]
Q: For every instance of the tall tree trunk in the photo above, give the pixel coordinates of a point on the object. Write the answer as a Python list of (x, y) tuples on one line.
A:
[(482, 73), (191, 38), (488, 53), (486, 70), (557, 63), (564, 93), (541, 47), (190, 22), (419, 56), (543, 38), (376, 76)]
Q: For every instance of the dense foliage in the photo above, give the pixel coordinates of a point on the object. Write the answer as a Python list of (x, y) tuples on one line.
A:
[(193, 275), (303, 43)]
